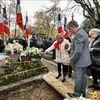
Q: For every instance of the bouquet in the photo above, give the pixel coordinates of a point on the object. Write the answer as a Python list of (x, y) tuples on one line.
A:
[(4, 60), (31, 53), (95, 95), (12, 48)]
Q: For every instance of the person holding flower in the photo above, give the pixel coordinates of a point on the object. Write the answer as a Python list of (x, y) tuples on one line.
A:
[(62, 46)]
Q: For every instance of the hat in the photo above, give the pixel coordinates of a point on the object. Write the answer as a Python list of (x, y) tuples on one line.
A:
[(94, 31)]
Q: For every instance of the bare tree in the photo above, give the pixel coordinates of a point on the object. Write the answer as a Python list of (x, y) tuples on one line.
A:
[(11, 8), (52, 11), (91, 9)]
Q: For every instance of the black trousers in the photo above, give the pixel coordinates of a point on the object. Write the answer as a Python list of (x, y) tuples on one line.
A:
[(54, 54), (66, 69), (94, 73)]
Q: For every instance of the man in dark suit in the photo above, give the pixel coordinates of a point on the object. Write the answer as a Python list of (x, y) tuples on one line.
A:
[(79, 58)]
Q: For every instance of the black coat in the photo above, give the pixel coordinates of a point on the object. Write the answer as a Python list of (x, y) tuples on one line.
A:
[(95, 54), (33, 42), (96, 46)]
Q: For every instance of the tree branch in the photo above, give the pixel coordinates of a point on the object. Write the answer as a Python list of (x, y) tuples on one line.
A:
[(97, 6), (87, 16), (89, 3), (85, 6)]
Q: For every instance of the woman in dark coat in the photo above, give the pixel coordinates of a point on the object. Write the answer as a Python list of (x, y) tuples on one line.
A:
[(33, 41), (95, 51), (23, 42)]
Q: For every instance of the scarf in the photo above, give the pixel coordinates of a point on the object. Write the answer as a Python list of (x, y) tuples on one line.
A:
[(56, 45)]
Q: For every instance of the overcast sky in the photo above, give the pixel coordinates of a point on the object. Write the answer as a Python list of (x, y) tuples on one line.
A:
[(31, 6)]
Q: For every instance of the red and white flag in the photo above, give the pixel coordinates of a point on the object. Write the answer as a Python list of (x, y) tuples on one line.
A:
[(66, 34), (59, 24), (5, 22), (26, 28), (19, 18), (1, 22)]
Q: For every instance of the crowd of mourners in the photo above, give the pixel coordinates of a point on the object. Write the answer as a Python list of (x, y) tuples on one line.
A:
[(77, 53), (35, 41), (40, 42)]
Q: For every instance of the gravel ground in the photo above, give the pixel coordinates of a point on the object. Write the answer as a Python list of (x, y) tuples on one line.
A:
[(39, 89)]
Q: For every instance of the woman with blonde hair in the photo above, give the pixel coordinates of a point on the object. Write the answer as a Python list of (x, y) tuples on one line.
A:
[(61, 46)]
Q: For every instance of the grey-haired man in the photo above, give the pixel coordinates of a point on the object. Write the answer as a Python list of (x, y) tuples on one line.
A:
[(79, 58)]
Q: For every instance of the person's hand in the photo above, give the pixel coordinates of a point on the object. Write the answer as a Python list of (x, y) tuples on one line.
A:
[(90, 49), (68, 62), (45, 52)]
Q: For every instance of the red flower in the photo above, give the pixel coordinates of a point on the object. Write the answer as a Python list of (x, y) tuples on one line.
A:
[(98, 98)]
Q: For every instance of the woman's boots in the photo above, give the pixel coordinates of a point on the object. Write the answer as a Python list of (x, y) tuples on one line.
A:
[(58, 76)]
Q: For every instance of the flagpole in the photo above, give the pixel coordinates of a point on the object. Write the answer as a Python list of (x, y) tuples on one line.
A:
[(72, 16), (15, 21), (15, 28), (19, 19)]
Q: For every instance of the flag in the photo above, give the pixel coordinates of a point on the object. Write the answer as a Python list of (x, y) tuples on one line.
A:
[(1, 24), (65, 22), (5, 22), (26, 28), (19, 19), (59, 24), (66, 34)]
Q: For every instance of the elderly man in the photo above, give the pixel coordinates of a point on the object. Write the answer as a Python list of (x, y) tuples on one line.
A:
[(79, 58)]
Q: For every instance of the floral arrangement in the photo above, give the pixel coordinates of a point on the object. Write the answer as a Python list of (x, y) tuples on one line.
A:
[(31, 53), (4, 60), (95, 95), (12, 48)]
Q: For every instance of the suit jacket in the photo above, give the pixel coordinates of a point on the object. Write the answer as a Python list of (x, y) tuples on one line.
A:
[(80, 55)]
